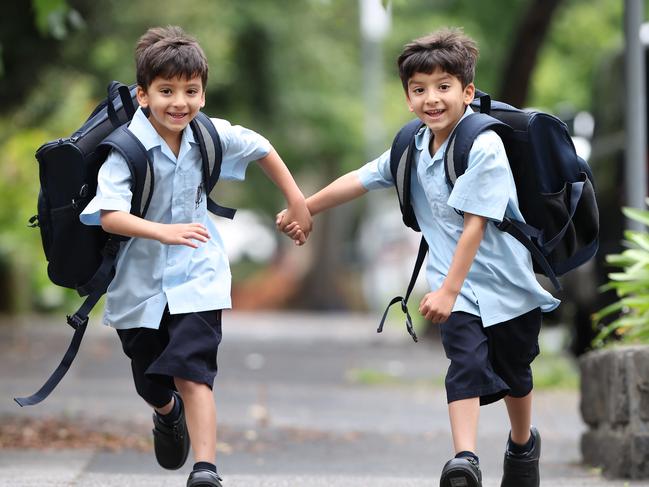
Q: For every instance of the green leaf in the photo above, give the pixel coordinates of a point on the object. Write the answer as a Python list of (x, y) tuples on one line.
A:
[(636, 214), (638, 238), (51, 17), (608, 310)]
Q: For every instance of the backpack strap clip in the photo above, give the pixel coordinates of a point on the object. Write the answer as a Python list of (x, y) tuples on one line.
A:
[(76, 321), (111, 247)]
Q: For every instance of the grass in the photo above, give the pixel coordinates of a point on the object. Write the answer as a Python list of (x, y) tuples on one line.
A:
[(551, 372)]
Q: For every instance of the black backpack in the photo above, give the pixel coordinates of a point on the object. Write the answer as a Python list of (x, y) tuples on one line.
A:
[(554, 186), (82, 257)]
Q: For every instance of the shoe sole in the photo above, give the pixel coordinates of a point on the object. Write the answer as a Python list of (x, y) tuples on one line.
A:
[(459, 478)]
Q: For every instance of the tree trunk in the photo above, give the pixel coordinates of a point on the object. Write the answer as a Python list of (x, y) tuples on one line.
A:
[(523, 55)]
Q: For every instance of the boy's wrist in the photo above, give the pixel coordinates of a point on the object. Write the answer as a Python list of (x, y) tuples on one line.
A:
[(450, 289), (295, 198)]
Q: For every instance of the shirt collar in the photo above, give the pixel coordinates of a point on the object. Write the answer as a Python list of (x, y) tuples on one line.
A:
[(422, 138), (147, 134)]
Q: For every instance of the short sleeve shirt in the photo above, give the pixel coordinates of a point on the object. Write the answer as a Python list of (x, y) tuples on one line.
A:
[(501, 284), (151, 275)]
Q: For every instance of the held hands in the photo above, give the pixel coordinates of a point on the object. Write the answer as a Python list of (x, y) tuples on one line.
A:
[(436, 306), (290, 221), (183, 234)]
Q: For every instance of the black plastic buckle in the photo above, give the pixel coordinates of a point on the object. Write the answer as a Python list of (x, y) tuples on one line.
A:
[(504, 225), (76, 321), (33, 222), (409, 327), (111, 248)]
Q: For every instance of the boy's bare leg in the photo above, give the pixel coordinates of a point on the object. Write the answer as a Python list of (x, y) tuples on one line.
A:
[(200, 412), (519, 410), (464, 416)]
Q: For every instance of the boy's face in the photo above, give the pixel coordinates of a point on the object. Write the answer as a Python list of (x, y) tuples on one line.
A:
[(439, 100), (173, 103)]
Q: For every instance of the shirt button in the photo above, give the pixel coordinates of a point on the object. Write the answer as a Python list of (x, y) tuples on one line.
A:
[(172, 262)]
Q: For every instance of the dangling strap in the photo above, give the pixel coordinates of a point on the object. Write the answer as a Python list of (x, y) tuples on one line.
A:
[(78, 321), (421, 255), (95, 289)]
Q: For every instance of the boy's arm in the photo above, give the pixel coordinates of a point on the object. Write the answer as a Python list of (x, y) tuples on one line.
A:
[(123, 223), (342, 190), (277, 171), (437, 305)]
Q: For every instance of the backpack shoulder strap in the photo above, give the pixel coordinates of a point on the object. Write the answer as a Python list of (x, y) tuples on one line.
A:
[(131, 149), (401, 156), (209, 143), (456, 156)]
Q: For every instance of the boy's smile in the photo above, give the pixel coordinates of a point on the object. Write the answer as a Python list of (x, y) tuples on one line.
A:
[(439, 101), (172, 103)]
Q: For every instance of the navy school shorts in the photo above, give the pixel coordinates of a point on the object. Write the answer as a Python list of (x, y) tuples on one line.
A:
[(184, 346), (490, 362)]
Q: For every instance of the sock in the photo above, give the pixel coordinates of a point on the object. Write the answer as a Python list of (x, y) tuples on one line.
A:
[(517, 449), (467, 455), (172, 415), (205, 466)]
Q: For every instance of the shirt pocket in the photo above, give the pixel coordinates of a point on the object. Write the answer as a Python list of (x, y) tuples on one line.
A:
[(192, 195)]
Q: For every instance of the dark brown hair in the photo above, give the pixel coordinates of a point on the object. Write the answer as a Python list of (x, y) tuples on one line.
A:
[(448, 49), (169, 53)]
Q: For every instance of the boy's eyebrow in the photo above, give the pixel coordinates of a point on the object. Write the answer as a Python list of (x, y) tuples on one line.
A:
[(443, 77)]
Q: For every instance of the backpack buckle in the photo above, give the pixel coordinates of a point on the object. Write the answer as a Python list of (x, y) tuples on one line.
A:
[(504, 224), (409, 327), (76, 321), (111, 247)]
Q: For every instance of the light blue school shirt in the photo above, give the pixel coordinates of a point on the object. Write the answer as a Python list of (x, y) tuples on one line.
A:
[(500, 284), (149, 274)]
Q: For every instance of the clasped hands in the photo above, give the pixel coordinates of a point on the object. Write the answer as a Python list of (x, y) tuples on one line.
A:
[(295, 222)]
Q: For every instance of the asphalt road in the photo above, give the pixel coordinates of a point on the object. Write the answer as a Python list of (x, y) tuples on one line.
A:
[(304, 400)]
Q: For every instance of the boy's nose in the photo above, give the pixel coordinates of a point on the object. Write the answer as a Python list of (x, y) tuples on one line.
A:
[(432, 98), (179, 100)]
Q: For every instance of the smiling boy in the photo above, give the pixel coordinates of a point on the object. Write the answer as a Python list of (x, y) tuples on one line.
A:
[(483, 291), (172, 277)]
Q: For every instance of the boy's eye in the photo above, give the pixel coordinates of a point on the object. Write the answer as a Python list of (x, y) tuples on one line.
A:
[(418, 91), (165, 91), (444, 87)]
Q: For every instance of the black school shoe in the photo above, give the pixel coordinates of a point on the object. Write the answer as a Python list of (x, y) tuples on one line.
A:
[(171, 441), (523, 470), (461, 472), (203, 478)]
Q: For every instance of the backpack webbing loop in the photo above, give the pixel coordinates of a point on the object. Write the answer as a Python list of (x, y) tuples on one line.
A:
[(421, 255)]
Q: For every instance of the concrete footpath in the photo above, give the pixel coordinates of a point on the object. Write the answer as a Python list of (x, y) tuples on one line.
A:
[(304, 400)]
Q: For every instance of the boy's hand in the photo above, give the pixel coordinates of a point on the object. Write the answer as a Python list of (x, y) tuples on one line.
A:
[(299, 213), (436, 306), (292, 229), (183, 234)]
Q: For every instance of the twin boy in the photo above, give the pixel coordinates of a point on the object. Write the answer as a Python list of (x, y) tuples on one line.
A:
[(173, 279)]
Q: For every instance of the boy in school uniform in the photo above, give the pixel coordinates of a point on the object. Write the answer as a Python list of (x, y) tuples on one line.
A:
[(172, 277), (483, 290)]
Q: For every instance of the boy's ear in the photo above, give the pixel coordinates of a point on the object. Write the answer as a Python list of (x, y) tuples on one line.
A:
[(142, 97), (469, 93)]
